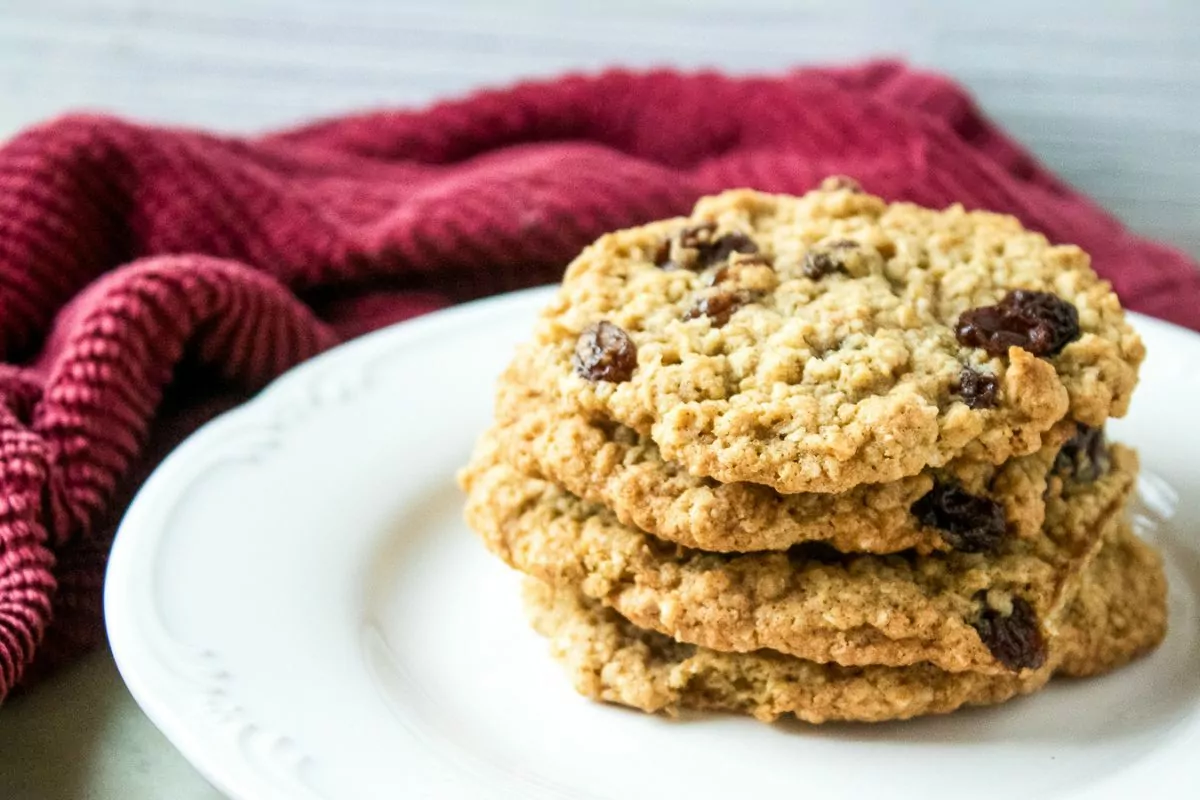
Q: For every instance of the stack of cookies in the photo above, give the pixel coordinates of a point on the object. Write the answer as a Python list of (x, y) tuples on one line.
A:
[(822, 456)]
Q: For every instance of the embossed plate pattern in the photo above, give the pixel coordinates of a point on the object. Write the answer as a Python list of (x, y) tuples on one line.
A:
[(293, 599)]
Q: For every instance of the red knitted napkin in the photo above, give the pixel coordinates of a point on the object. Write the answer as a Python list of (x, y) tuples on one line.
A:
[(143, 269)]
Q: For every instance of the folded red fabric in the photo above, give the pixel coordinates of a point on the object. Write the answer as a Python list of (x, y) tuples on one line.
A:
[(142, 267)]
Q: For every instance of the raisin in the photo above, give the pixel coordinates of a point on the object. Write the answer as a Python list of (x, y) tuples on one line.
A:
[(968, 523), (1039, 322), (977, 389), (703, 248), (819, 263), (686, 246), (1085, 455), (719, 306), (604, 352), (662, 254), (726, 246), (1015, 640)]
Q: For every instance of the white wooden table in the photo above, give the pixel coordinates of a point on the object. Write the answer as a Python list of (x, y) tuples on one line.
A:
[(1107, 92)]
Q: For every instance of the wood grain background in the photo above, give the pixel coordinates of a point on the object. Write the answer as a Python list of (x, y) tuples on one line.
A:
[(1107, 92)]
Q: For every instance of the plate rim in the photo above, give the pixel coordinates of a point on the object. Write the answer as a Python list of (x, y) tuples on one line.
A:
[(126, 638)]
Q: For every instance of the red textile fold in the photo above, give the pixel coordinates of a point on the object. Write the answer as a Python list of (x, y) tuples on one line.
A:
[(141, 263)]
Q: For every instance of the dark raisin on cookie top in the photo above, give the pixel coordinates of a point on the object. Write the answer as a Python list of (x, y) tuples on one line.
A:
[(826, 259), (604, 352), (1014, 639), (698, 247), (968, 523), (726, 246), (1039, 322), (719, 306)]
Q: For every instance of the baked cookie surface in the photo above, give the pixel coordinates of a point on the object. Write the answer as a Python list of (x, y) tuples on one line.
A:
[(609, 659), (813, 344), (988, 613), (1123, 597), (967, 505)]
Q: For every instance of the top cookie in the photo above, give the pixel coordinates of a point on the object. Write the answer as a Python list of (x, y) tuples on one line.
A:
[(813, 344)]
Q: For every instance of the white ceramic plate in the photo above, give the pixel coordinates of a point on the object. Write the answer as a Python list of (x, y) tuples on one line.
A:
[(294, 600)]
